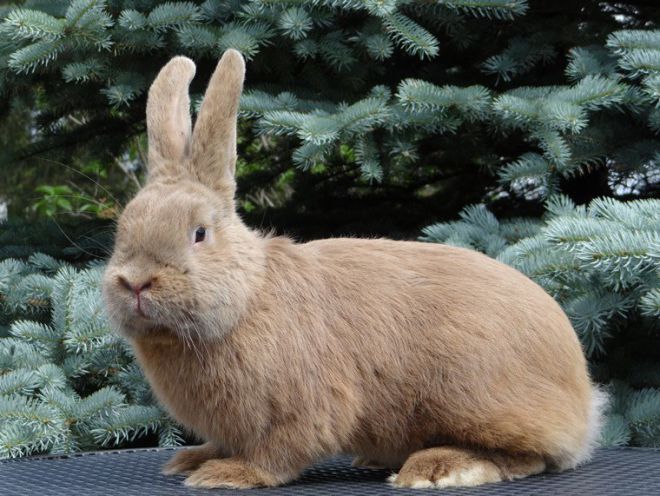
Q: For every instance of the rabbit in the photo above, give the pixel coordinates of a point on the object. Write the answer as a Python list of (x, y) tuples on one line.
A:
[(438, 363)]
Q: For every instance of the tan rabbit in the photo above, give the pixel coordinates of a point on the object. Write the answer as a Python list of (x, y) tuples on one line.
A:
[(438, 362)]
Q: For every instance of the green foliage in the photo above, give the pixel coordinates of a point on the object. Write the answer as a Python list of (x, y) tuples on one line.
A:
[(633, 416), (540, 96), (92, 200), (67, 383), (602, 264), (369, 117), (62, 199)]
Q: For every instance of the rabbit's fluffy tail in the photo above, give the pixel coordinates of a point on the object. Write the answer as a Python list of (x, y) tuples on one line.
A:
[(599, 402)]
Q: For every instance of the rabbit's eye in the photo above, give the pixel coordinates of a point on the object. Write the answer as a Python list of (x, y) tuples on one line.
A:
[(200, 234)]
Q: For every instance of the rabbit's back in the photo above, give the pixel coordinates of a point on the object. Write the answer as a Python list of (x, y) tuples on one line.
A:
[(452, 344)]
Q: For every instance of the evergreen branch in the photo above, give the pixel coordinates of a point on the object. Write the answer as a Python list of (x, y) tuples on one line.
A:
[(479, 217), (652, 89), (381, 8), (640, 62), (429, 121), (87, 23), (196, 38), (131, 380), (366, 155), (44, 263), (171, 15), (411, 36), (615, 432), (26, 411), (403, 150), (15, 353), (169, 434), (594, 92), (555, 149), (308, 154), (103, 403), (42, 336), (132, 20), (29, 58), (623, 256), (515, 111), (529, 166), (573, 231), (650, 303), (31, 294), (83, 72), (590, 315), (644, 416), (51, 376), (295, 23), (637, 215), (306, 49), (363, 116), (379, 46), (281, 122), (416, 95), (590, 61), (633, 39), (335, 52), (491, 9), (33, 25), (564, 116), (246, 38), (254, 103), (562, 206), (126, 424), (319, 129), (21, 440), (521, 56), (19, 381)]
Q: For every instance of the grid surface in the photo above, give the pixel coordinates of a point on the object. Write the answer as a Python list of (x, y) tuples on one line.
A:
[(626, 472)]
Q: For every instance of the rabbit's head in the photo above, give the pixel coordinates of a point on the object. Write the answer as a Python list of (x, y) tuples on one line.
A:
[(183, 262)]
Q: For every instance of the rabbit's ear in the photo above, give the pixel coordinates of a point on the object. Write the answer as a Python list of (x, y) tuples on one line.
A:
[(168, 119), (214, 137)]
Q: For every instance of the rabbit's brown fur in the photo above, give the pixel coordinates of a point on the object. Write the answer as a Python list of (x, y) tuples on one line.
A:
[(437, 360)]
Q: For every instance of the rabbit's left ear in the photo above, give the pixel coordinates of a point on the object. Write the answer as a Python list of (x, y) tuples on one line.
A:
[(214, 137), (168, 119)]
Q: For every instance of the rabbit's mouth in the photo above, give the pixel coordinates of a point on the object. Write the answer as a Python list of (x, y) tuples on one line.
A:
[(148, 319)]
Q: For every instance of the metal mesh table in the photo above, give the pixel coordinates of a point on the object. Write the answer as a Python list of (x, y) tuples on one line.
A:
[(137, 472)]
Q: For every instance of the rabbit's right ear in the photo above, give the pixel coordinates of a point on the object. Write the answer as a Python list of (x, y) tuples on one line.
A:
[(168, 119)]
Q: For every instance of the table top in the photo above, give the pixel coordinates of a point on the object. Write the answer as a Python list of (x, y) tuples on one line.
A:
[(626, 471)]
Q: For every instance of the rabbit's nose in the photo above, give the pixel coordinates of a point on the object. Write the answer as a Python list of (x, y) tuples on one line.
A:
[(136, 288)]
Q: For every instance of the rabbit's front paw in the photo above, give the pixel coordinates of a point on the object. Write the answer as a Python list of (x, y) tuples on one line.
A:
[(230, 473), (189, 459)]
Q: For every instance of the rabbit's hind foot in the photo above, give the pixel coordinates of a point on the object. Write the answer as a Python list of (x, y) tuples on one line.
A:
[(454, 467)]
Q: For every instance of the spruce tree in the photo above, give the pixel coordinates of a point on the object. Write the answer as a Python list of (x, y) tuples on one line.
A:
[(367, 105), (544, 116)]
